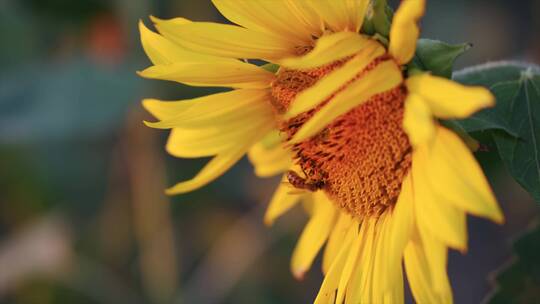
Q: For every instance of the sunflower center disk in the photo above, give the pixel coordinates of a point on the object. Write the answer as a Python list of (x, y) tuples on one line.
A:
[(362, 157)]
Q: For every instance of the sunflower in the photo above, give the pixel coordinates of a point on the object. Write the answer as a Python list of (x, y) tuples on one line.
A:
[(356, 134)]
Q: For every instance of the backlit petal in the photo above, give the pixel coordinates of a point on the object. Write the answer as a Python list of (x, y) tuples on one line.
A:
[(231, 73), (215, 168), (351, 263), (433, 213), (467, 189), (162, 51), (189, 143), (328, 49), (167, 110), (275, 17), (335, 241), (163, 110), (308, 17), (404, 31), (436, 255), (225, 40), (212, 140), (217, 110), (269, 161), (314, 235), (281, 202), (341, 15), (361, 282), (329, 286), (420, 277), (449, 99), (402, 219), (383, 78), (387, 265), (332, 82), (418, 120)]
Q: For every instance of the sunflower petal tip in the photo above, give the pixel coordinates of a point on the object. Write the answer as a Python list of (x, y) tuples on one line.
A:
[(147, 102), (149, 124), (155, 19), (299, 274), (177, 189), (498, 218), (268, 221)]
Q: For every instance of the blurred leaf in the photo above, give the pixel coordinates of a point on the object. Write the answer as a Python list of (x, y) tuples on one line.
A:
[(459, 130), (437, 56), (382, 16), (514, 123), (67, 10), (519, 282), (77, 98)]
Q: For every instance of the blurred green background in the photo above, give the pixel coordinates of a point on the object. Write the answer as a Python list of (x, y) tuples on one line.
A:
[(83, 217)]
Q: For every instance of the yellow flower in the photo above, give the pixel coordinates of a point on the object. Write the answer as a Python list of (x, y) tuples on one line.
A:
[(343, 121)]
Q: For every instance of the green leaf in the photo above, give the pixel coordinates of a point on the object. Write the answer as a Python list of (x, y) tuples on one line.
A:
[(459, 130), (382, 16), (437, 56), (519, 282), (514, 123)]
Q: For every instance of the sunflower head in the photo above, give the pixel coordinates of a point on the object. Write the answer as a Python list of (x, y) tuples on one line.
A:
[(349, 120), (362, 157)]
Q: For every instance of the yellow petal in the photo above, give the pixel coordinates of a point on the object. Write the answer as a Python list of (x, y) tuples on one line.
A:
[(282, 201), (418, 274), (209, 105), (328, 49), (350, 264), (314, 235), (433, 213), (387, 264), (225, 40), (420, 278), (269, 161), (212, 140), (360, 284), (456, 176), (404, 31), (334, 81), (215, 168), (397, 294), (402, 219), (436, 255), (418, 120), (449, 99), (341, 15), (175, 21), (329, 286), (220, 110), (162, 51), (383, 78), (163, 110), (187, 143), (308, 17), (275, 17), (231, 73), (335, 241)]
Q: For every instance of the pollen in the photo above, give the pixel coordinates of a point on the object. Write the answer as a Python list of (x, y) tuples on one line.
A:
[(362, 157)]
